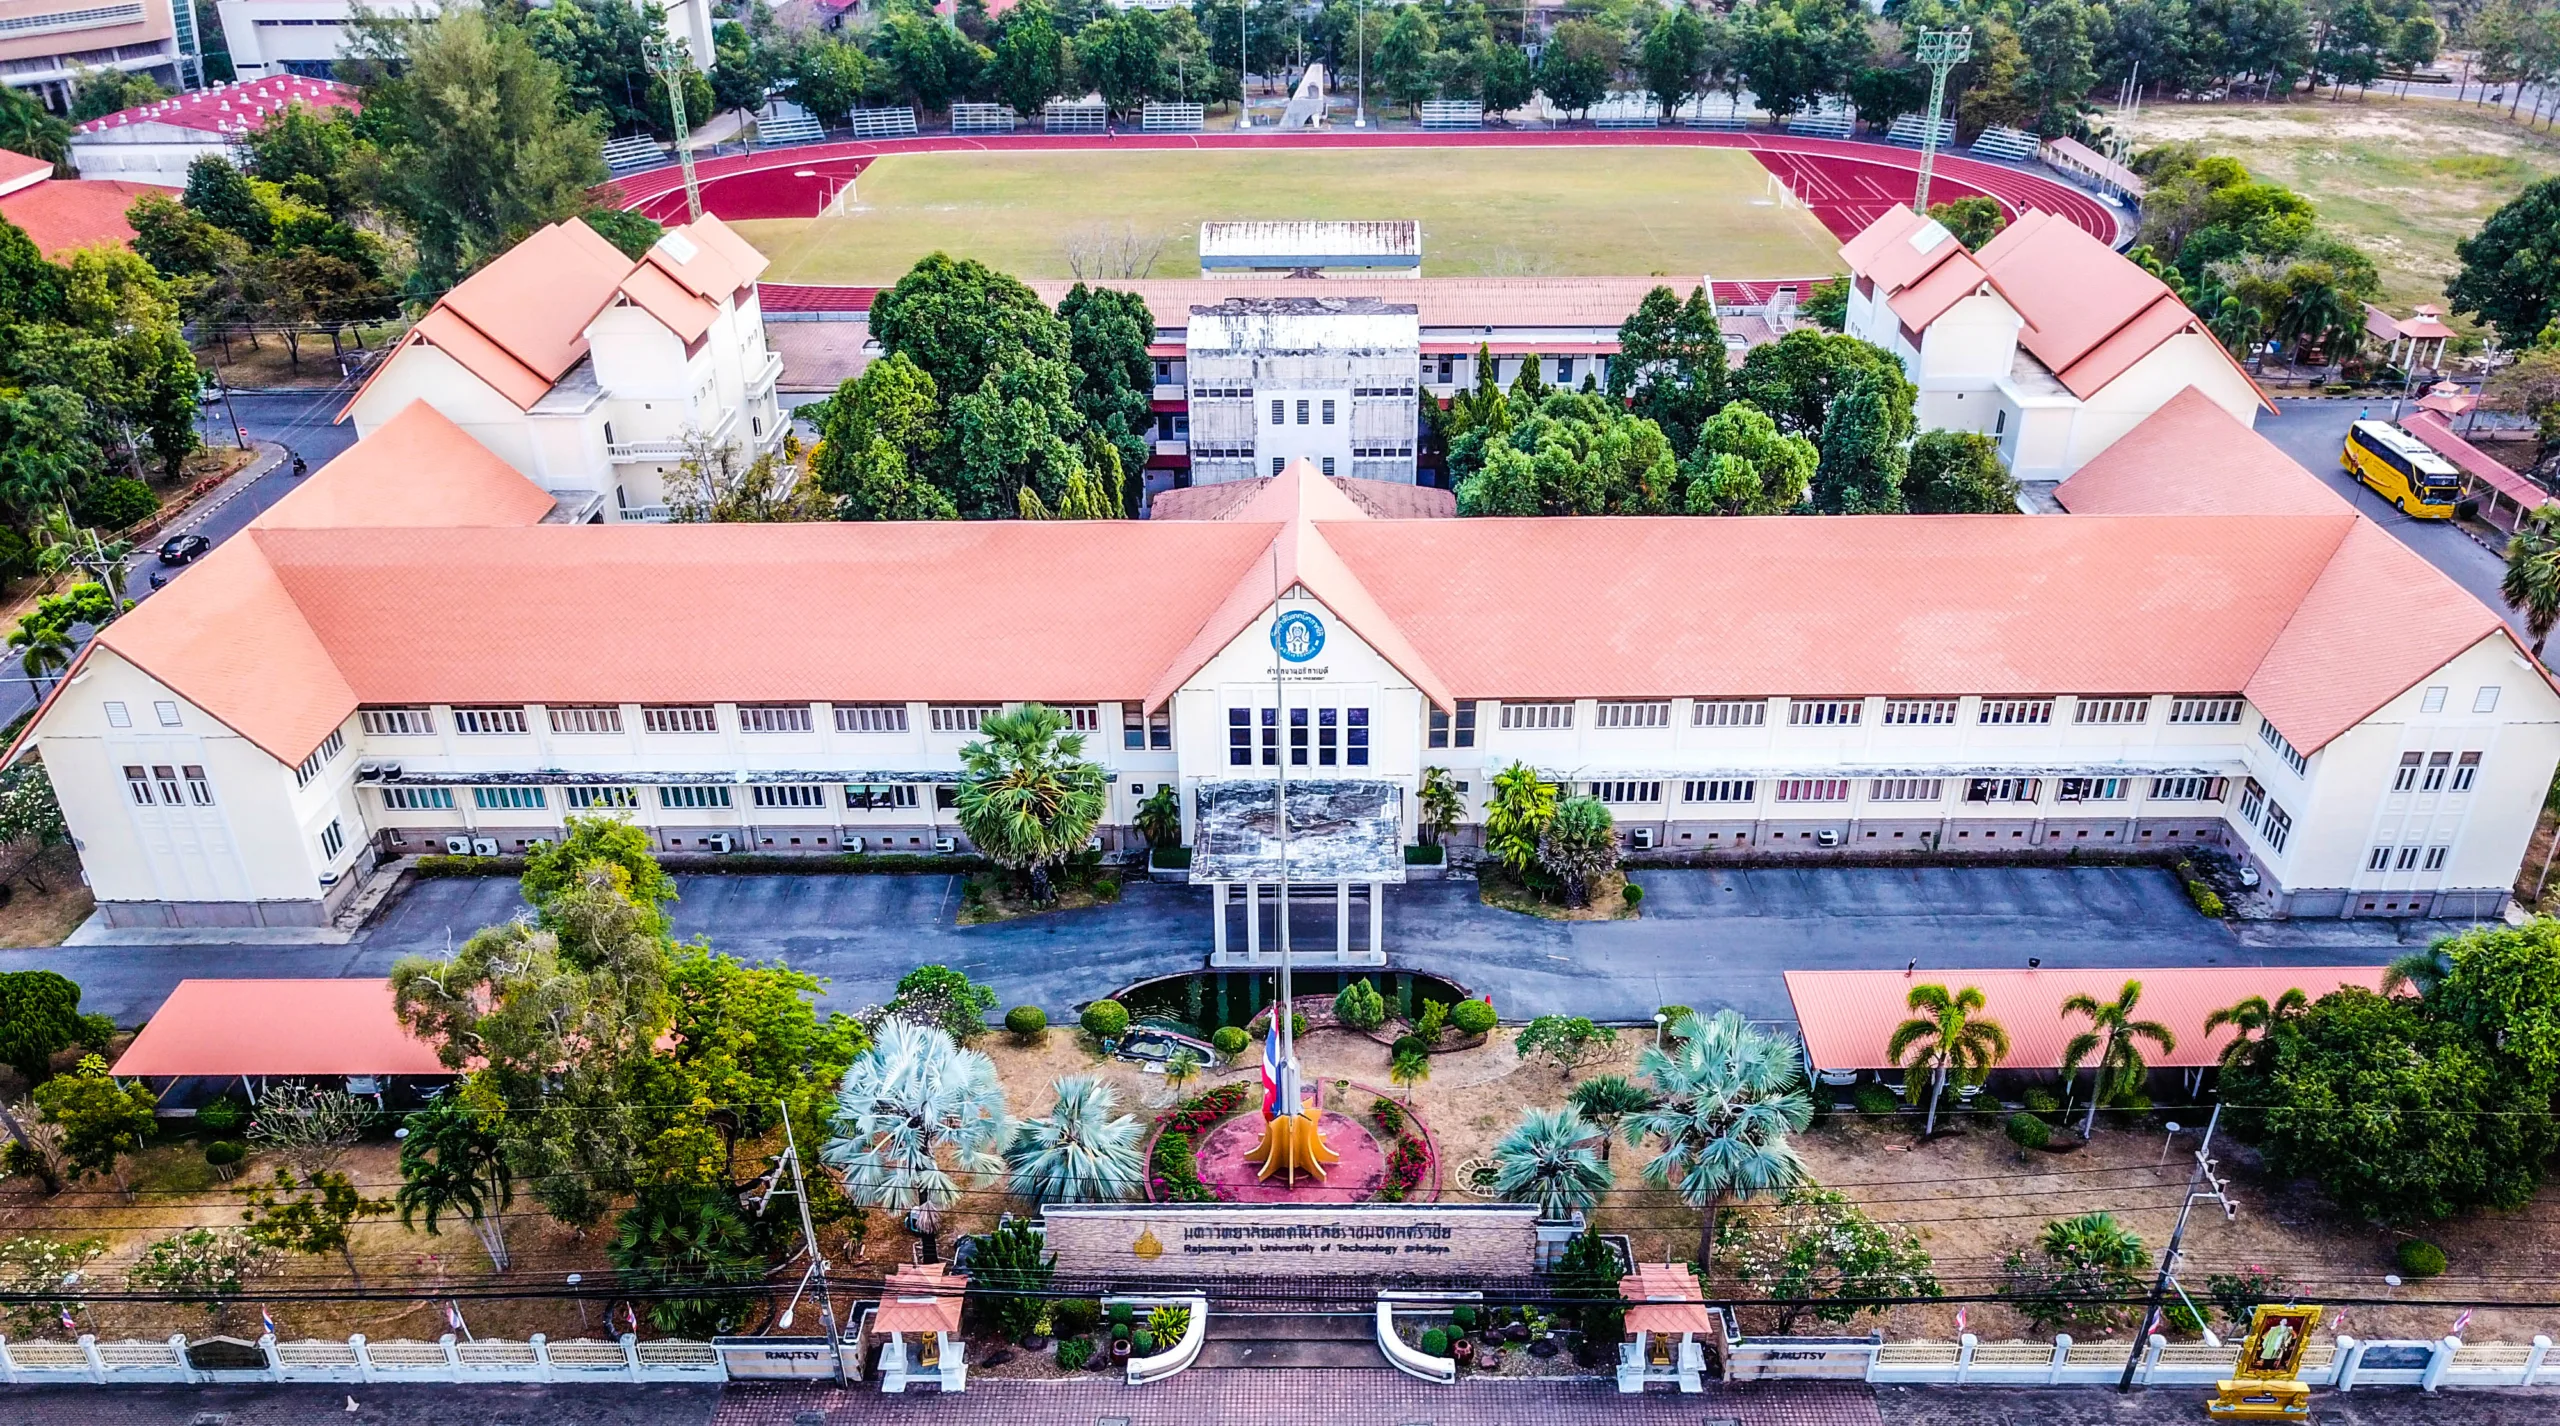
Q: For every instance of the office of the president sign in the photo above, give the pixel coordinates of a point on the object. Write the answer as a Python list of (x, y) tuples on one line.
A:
[(1191, 1240)]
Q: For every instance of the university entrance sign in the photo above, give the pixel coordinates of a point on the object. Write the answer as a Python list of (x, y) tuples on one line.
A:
[(1475, 1241)]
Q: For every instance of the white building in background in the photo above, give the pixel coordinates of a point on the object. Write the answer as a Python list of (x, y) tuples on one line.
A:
[(1365, 248), (309, 37), (155, 142), (591, 373), (45, 44), (1331, 381), (2046, 340)]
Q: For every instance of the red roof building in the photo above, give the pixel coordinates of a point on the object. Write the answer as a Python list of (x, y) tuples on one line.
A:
[(154, 143)]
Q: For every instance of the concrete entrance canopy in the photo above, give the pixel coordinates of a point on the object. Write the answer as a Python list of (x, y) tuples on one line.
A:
[(1342, 833)]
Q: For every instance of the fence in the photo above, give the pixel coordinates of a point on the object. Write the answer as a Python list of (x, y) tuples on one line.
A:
[(884, 123), (1999, 141), (1452, 114), (2343, 1365), (637, 151), (1912, 129), (1159, 118), (1077, 116), (982, 119), (355, 1360)]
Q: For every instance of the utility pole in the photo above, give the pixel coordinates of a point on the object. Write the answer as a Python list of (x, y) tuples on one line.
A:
[(1360, 41), (673, 61), (809, 1236), (1941, 50), (2196, 1189)]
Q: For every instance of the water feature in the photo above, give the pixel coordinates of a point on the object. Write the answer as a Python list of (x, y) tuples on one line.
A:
[(1204, 1001)]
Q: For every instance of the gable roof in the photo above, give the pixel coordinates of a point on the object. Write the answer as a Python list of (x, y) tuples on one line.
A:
[(19, 170), (231, 108), (1918, 266), (61, 214), (2091, 313), (418, 469), (2191, 457)]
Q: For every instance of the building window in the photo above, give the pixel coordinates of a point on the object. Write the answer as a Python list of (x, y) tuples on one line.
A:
[(680, 718), (1564, 371), (2437, 765), (1279, 412), (1731, 789), (2002, 789), (2017, 710), (2088, 711), (1649, 714), (773, 718), (2252, 798), (1328, 733), (1239, 737), (2268, 735), (417, 799), (397, 722), (1458, 733), (1297, 737), (1328, 467), (1328, 417), (1728, 713), (1920, 710), (880, 795), (2432, 701), (1278, 464), (167, 777), (1140, 731), (1355, 735), (2378, 860), (117, 715), (1903, 789), (166, 712), (2405, 779), (2204, 710), (1302, 413), (2278, 827), (330, 747), (960, 717), (2486, 700), (488, 722), (603, 718), (1813, 789), (590, 798), (137, 780), (199, 787), (790, 795), (2090, 789), (2188, 789), (871, 717), (693, 795), (1537, 715), (508, 799), (1270, 737), (2436, 856), (2464, 770), (1824, 712), (2408, 860), (1082, 718), (332, 841), (1616, 793)]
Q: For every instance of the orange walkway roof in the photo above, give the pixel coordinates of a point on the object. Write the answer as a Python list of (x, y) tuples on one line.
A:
[(278, 1027)]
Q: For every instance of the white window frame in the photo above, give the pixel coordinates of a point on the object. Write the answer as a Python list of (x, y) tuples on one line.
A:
[(1905, 789), (1544, 716), (2015, 712), (1624, 792), (1632, 713), (491, 721), (333, 840), (599, 796), (417, 799), (879, 796), (509, 797), (1825, 712), (407, 722), (321, 756), (2293, 757), (2211, 709), (767, 718), (680, 718), (1920, 711), (1729, 713), (871, 717), (585, 719), (959, 719)]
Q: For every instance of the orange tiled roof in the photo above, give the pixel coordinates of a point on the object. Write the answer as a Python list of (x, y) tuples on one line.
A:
[(2091, 313), (2191, 457), (920, 1298), (304, 1027), (418, 469), (1666, 1298), (61, 214)]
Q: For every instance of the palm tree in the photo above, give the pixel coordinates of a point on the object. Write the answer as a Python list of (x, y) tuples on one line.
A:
[(1606, 1099), (1579, 846), (1946, 1037), (44, 651), (1182, 1069), (906, 1104), (1548, 1159), (1028, 799), (2254, 1016), (452, 1162), (2113, 1037), (1727, 1098), (2532, 582), (2417, 973), (1409, 1067), (1078, 1152)]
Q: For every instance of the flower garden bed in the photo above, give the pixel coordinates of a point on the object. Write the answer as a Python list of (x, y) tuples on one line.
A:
[(1173, 1172)]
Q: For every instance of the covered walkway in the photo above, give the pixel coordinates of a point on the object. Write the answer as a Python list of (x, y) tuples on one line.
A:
[(255, 1031)]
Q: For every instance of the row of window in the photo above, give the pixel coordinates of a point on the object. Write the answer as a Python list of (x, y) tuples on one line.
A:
[(1915, 789), (701, 718), (1443, 370), (1843, 712), (585, 797), (2406, 858), (1280, 412), (2265, 814), (1323, 737), (2427, 772), (169, 786)]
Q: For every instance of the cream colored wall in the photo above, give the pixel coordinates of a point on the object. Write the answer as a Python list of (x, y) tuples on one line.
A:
[(2187, 359), (637, 358), (423, 373), (1970, 345)]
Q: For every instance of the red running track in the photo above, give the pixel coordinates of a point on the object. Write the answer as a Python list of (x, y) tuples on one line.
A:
[(1846, 183)]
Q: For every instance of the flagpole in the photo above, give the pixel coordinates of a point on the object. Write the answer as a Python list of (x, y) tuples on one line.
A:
[(1287, 1013)]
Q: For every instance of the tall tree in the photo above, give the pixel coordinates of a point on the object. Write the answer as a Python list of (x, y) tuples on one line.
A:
[(1670, 366), (2510, 274), (1743, 466), (1403, 59), (1030, 65), (1107, 334), (1028, 798), (910, 1111), (1863, 458), (1729, 1101), (2253, 1015), (1121, 58), (1797, 378), (879, 442), (1958, 473), (1674, 55), (1947, 1036), (453, 1164), (1974, 221), (1079, 1152), (2532, 580), (1579, 60), (1552, 1158), (2058, 37), (2112, 1045)]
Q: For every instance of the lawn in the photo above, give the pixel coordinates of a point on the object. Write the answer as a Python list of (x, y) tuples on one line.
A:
[(1485, 211), (2404, 179)]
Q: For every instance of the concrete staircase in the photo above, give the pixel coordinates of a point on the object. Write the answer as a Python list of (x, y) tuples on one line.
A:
[(1293, 1341)]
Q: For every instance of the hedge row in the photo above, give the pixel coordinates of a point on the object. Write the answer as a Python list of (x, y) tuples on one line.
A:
[(750, 863)]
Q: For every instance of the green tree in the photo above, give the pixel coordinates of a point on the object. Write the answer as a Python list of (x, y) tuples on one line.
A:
[(2112, 1046), (1107, 335), (1674, 58), (1079, 1152), (1014, 1268), (201, 1262), (1586, 1286), (1028, 798), (879, 439), (1516, 816), (1565, 1041), (1862, 451), (1408, 1066), (1402, 60), (2253, 1015), (1791, 51), (31, 824), (1798, 378), (1743, 466), (2084, 1268), (101, 1121), (1819, 1254), (739, 72), (911, 1109), (2510, 273), (1504, 78), (1579, 846), (690, 1238), (311, 1215), (828, 77), (1670, 366), (1958, 473), (2501, 984), (1121, 58), (934, 63), (40, 1009), (1569, 453), (601, 49), (1947, 1036), (2531, 584), (749, 1040), (1728, 1101), (1030, 66), (1974, 221), (2058, 39), (1438, 806), (591, 842), (1578, 61), (1360, 1005), (96, 93), (1551, 1158), (452, 1164), (946, 999), (25, 127)]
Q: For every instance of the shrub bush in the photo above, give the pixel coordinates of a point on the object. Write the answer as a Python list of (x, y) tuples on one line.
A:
[(1261, 1024), (1435, 1343), (2420, 1258), (1673, 1015), (1388, 1116), (2029, 1132), (2040, 1100), (1122, 1314), (1074, 1353), (1106, 1019), (1169, 1323), (1230, 1040), (1875, 1099), (221, 1116), (1472, 1017), (1465, 1317), (1425, 856), (1633, 893), (1142, 1343), (1027, 1022), (1074, 1316), (114, 504), (224, 1152), (1360, 1006), (1409, 1044), (2207, 900)]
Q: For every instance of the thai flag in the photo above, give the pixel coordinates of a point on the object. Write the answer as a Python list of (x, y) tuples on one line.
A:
[(70, 1323), (1271, 1070), (2461, 1322)]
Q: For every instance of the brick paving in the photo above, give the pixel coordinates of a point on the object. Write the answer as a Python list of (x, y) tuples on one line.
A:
[(1331, 1398)]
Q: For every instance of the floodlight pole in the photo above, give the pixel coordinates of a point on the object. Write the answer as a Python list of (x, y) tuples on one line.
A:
[(671, 61), (1244, 64), (1360, 43), (1941, 50)]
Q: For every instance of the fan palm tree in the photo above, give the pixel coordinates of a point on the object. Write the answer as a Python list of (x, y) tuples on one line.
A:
[(1028, 798), (1409, 1067), (1605, 1100), (2253, 1016), (1579, 846), (2532, 581), (1947, 1036), (43, 650), (2417, 973), (1078, 1152), (1548, 1159), (2111, 1045), (1727, 1100), (911, 1101)]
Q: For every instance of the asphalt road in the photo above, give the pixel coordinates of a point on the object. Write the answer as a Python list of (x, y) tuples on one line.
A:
[(1708, 938)]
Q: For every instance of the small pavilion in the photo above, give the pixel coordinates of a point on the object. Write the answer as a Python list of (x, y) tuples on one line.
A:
[(213, 1032), (1343, 834), (2413, 342), (1669, 1327), (922, 1301)]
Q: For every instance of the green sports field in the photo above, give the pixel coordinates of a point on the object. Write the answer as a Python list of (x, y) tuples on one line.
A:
[(1493, 211)]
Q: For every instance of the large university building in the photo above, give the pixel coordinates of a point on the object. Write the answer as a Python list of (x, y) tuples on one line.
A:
[(420, 651)]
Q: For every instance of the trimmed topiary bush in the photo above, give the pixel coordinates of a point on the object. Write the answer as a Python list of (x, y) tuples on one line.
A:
[(2420, 1258), (1435, 1343), (2029, 1132), (1633, 893), (2041, 1100), (224, 1152), (1074, 1316), (1106, 1019), (1875, 1099), (1027, 1022), (1142, 1343), (1230, 1040), (1472, 1017), (1360, 1006), (1410, 1045), (1465, 1317)]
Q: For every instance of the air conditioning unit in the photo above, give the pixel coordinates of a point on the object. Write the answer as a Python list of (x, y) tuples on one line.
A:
[(1640, 838), (484, 846), (328, 878), (388, 772), (856, 845), (945, 845), (1826, 839), (723, 842), (367, 772), (458, 846)]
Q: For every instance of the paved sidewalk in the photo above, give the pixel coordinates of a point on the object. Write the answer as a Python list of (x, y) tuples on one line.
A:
[(375, 1405)]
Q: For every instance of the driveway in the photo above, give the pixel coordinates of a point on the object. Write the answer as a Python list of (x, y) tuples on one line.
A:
[(1708, 937)]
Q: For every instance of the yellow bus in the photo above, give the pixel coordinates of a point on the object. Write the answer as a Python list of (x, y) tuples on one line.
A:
[(2416, 480)]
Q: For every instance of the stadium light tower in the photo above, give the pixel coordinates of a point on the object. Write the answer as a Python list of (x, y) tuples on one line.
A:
[(1244, 63), (671, 60), (1941, 50)]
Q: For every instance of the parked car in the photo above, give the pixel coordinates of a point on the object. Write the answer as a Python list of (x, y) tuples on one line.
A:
[(183, 549)]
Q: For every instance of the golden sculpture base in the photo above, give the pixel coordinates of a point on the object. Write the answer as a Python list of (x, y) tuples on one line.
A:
[(1291, 1146), (2260, 1401)]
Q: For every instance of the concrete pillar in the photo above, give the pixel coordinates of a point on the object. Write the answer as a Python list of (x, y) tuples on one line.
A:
[(542, 1356), (178, 1350), (2061, 1358), (97, 1364), (1964, 1357), (2437, 1362), (2533, 1360), (452, 1354), (2342, 1368), (364, 1356), (2151, 1345), (631, 1355), (1377, 920), (1342, 920), (266, 1346), (1218, 919), (1252, 921)]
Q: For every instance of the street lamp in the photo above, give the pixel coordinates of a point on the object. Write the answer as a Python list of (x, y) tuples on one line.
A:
[(574, 1280), (1659, 1020), (1244, 63), (1360, 46)]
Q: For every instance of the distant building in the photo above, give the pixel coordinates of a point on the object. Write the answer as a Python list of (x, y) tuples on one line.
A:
[(309, 37), (1368, 248), (153, 143), (1327, 380), (44, 44), (2046, 340)]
